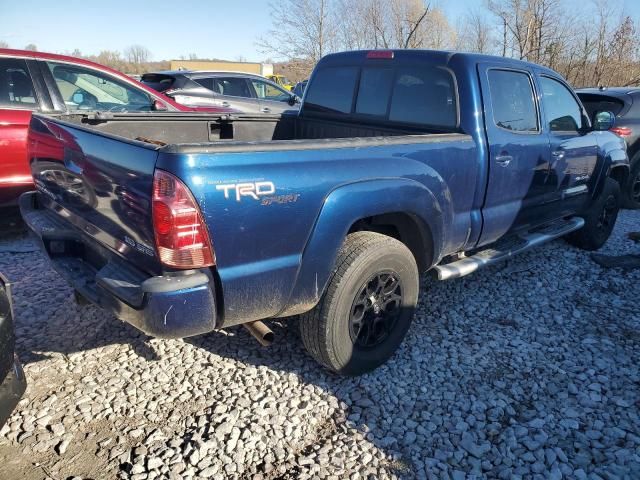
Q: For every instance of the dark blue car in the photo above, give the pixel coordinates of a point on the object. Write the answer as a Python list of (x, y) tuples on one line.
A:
[(399, 162)]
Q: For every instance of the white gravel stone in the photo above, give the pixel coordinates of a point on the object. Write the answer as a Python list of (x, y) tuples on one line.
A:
[(529, 369)]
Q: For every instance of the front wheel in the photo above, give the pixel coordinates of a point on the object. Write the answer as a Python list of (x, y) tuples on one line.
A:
[(631, 193), (599, 219), (367, 307)]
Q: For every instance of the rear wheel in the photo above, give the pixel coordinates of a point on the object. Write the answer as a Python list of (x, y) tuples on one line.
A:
[(599, 220), (367, 308)]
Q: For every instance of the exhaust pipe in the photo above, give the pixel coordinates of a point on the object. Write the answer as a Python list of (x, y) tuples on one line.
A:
[(260, 331)]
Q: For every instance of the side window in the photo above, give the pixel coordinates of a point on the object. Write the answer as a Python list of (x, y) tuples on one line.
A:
[(562, 111), (16, 88), (86, 89), (512, 101), (232, 86), (205, 82), (267, 91)]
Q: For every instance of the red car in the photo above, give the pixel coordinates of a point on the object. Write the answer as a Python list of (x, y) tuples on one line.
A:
[(49, 83)]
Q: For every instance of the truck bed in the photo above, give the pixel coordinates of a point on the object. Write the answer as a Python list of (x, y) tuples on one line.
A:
[(165, 128), (96, 174)]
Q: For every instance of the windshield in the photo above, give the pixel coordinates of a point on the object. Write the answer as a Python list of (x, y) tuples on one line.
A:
[(87, 89)]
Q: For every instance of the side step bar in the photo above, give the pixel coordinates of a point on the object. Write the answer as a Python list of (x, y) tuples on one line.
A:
[(506, 249)]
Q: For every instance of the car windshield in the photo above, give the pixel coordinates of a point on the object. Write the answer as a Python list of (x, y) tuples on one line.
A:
[(87, 89)]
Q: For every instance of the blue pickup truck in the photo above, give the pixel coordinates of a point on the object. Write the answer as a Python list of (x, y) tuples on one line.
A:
[(398, 162)]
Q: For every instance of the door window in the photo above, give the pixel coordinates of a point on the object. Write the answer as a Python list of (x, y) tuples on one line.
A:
[(561, 108), (232, 86), (512, 101), (16, 87), (86, 89), (205, 82), (268, 91)]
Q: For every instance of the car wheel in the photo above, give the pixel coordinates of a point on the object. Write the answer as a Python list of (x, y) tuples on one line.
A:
[(631, 194), (599, 220), (367, 307)]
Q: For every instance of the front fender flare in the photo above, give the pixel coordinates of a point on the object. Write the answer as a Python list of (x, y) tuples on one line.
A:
[(343, 207)]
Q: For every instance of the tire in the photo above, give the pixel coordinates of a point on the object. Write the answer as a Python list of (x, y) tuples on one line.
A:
[(599, 219), (631, 191), (337, 332)]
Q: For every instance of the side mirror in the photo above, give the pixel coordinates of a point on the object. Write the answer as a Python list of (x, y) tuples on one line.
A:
[(158, 106), (603, 121), (293, 99), (78, 98)]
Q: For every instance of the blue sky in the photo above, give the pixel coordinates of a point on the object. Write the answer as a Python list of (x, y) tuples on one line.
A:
[(208, 28)]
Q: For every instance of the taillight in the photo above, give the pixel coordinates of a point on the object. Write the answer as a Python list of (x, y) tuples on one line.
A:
[(621, 131), (182, 239)]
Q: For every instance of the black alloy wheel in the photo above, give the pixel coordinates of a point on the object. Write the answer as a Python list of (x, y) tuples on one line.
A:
[(375, 310)]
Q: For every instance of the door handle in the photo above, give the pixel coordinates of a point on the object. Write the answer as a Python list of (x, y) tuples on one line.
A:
[(558, 154), (503, 159), (225, 104), (266, 110)]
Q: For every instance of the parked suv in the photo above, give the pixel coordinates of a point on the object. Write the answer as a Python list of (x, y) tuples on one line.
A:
[(49, 84), (624, 102), (240, 91)]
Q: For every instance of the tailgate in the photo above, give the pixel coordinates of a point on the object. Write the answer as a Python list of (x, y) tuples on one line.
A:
[(99, 183)]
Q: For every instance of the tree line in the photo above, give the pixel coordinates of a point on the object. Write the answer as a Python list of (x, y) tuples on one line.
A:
[(600, 45), (135, 59)]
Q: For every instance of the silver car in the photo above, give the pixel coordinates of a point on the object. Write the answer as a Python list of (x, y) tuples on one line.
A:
[(244, 92)]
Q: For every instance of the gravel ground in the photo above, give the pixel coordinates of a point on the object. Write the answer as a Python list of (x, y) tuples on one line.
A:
[(528, 369)]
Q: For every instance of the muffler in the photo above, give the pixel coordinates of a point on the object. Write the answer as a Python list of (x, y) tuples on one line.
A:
[(260, 331)]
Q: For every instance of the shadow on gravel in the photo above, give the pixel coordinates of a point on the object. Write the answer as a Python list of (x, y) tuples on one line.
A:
[(486, 383), (11, 222)]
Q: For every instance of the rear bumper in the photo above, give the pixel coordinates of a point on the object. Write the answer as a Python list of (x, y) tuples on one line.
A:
[(169, 306), (11, 390)]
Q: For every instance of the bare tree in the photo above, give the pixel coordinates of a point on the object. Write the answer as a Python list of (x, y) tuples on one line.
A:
[(304, 29), (589, 49), (407, 16), (3, 44), (31, 47), (530, 27), (137, 54), (475, 34)]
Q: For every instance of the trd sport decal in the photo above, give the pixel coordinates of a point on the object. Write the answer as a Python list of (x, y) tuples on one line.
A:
[(254, 190)]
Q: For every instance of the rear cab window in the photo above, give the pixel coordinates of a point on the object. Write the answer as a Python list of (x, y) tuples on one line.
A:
[(16, 86), (421, 96), (332, 90)]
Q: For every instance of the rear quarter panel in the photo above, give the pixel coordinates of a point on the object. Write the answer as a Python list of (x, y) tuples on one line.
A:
[(260, 243)]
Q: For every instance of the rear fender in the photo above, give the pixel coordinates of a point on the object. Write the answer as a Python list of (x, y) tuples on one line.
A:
[(342, 209)]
